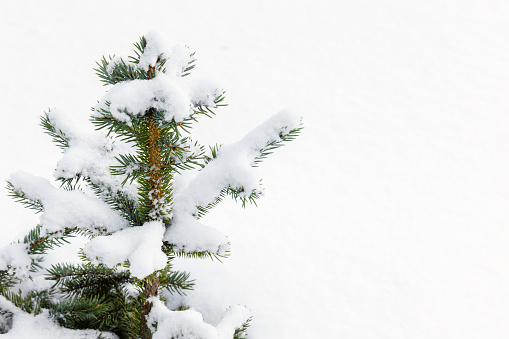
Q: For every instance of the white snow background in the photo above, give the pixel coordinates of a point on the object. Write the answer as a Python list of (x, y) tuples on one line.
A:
[(387, 218)]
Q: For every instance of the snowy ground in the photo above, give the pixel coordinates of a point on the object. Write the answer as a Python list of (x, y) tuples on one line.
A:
[(387, 218)]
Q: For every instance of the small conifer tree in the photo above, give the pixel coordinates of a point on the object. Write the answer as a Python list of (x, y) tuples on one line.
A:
[(117, 189)]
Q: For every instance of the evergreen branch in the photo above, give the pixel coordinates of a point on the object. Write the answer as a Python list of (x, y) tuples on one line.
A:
[(102, 72), (274, 144), (86, 280), (118, 199), (237, 193), (95, 299), (202, 109), (21, 197), (114, 71), (184, 157), (186, 70), (105, 120), (130, 166), (70, 184), (187, 163), (213, 153), (81, 313), (38, 244), (139, 50), (117, 319), (241, 333), (175, 282), (32, 303), (57, 135), (121, 202), (7, 278), (218, 255)]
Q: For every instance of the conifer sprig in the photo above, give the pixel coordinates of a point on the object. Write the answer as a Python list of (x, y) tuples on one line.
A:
[(186, 70), (96, 298), (83, 313), (118, 72), (7, 278), (86, 280), (274, 144), (21, 197), (221, 253), (202, 109), (139, 49), (241, 332), (175, 281), (235, 193), (103, 119), (32, 303), (39, 244), (120, 202), (58, 136)]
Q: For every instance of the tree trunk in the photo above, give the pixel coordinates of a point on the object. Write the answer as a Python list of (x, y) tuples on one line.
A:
[(150, 290), (155, 175)]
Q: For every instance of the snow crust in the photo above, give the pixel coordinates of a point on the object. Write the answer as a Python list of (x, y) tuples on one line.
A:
[(189, 324), (141, 245), (64, 209)]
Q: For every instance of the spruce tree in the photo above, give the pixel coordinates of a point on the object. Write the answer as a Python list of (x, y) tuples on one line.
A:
[(116, 188)]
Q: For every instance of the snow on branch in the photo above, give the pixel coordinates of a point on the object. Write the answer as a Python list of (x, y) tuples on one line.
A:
[(234, 318), (42, 326), (175, 97), (178, 59), (133, 98), (233, 167), (154, 49), (67, 209), (273, 129), (169, 324), (187, 234), (155, 79), (89, 154), (189, 324), (140, 245), (15, 255)]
